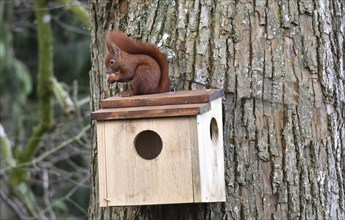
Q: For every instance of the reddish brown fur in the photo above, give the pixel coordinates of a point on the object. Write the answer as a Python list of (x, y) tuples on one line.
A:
[(140, 63)]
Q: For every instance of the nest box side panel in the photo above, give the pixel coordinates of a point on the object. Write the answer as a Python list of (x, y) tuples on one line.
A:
[(133, 180), (211, 155), (100, 126)]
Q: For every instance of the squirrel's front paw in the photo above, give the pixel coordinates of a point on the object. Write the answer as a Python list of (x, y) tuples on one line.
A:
[(125, 94)]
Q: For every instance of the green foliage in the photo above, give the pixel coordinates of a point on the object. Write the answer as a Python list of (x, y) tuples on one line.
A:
[(71, 47), (74, 66), (15, 77), (77, 10), (60, 206), (30, 171)]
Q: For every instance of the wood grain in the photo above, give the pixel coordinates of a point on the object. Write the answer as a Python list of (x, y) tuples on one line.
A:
[(168, 98), (208, 171), (128, 179), (150, 111)]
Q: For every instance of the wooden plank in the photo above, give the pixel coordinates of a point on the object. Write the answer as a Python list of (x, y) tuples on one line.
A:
[(132, 180), (101, 138), (150, 111), (168, 98), (211, 185)]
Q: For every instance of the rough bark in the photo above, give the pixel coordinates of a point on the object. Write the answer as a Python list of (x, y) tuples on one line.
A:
[(281, 64)]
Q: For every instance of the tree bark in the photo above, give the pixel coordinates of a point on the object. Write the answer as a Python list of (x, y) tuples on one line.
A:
[(281, 64)]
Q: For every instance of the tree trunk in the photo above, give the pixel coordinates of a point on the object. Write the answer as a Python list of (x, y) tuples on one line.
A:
[(281, 64)]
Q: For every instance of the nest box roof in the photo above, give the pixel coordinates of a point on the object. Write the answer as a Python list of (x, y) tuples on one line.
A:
[(169, 104)]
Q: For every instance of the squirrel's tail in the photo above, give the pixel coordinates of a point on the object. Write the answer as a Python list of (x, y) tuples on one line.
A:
[(123, 42)]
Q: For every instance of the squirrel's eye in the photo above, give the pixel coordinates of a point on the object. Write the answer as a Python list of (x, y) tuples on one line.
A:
[(112, 61)]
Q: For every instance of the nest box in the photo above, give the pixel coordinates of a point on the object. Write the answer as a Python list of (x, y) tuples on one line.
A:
[(161, 148)]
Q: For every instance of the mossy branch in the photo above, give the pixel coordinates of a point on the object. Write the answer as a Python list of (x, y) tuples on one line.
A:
[(44, 91), (6, 156), (63, 98), (49, 152)]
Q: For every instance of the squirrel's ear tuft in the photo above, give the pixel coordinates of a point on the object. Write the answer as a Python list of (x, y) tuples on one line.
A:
[(110, 48), (116, 51)]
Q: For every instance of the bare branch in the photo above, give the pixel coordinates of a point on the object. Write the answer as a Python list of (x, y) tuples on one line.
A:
[(49, 152), (17, 209)]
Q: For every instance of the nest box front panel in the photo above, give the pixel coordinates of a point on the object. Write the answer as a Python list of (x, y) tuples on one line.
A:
[(146, 161)]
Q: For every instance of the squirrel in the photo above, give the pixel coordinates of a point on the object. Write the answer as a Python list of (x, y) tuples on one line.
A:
[(140, 63)]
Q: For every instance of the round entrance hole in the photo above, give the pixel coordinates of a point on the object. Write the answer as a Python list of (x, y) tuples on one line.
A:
[(148, 144), (214, 131)]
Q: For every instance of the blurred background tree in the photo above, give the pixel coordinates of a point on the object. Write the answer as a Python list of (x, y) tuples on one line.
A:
[(44, 65)]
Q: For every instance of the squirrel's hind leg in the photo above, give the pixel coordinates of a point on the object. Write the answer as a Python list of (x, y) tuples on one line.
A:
[(145, 81)]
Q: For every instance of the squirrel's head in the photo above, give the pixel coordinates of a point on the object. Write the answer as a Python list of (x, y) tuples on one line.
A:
[(113, 58), (113, 64)]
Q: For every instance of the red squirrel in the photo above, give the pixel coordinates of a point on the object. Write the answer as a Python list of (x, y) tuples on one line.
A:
[(140, 63)]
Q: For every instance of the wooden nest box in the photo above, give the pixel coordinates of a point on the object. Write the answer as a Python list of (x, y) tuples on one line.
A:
[(161, 148)]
